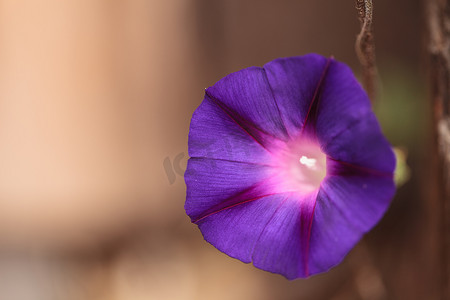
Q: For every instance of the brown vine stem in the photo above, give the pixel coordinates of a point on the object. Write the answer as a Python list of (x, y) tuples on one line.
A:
[(365, 47), (439, 55)]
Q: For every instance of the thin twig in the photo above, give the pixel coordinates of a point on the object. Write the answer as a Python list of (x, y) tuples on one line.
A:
[(365, 47)]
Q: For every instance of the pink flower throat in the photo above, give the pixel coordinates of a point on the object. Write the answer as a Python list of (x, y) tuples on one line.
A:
[(302, 166)]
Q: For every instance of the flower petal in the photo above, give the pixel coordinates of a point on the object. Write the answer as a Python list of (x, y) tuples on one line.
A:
[(295, 82), (214, 185), (283, 245), (247, 98), (236, 230), (272, 231), (346, 208), (215, 134), (346, 127)]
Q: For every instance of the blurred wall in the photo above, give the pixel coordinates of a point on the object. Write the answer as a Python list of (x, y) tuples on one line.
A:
[(89, 91)]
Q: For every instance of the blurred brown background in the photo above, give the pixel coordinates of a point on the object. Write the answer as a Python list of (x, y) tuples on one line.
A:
[(95, 102)]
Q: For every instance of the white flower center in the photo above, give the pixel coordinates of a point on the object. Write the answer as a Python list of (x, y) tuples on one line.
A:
[(309, 162)]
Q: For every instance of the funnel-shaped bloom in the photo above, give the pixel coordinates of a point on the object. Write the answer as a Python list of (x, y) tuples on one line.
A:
[(288, 165)]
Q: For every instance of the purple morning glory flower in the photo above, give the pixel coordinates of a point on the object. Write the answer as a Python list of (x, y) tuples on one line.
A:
[(288, 165)]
